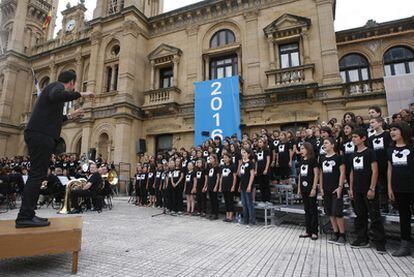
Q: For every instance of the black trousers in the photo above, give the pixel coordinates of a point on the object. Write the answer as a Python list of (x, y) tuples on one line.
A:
[(229, 201), (144, 194), (214, 202), (178, 198), (40, 150), (158, 197), (170, 197), (311, 213), (364, 209), (264, 186), (201, 200), (88, 195), (405, 204)]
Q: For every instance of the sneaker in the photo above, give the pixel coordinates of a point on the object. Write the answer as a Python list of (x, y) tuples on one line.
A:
[(334, 238), (381, 249), (341, 241), (358, 243)]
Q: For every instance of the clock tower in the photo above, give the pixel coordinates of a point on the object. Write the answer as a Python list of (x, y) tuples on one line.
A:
[(73, 19)]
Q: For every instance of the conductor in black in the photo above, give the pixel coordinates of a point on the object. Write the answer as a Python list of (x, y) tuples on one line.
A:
[(40, 135)]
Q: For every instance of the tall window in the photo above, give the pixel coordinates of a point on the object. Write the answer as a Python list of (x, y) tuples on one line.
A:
[(223, 67), (398, 60), (108, 78), (289, 55), (164, 143), (166, 77), (221, 38), (354, 68)]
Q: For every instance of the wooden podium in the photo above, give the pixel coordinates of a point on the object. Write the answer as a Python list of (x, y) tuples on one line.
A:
[(63, 235)]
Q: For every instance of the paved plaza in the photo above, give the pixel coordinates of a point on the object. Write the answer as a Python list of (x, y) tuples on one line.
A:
[(127, 241)]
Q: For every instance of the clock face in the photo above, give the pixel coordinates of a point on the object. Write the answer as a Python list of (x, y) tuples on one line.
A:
[(70, 26)]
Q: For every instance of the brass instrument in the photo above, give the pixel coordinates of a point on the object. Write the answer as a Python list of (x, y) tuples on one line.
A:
[(71, 185)]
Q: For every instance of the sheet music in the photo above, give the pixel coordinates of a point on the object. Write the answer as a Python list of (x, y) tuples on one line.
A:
[(63, 180)]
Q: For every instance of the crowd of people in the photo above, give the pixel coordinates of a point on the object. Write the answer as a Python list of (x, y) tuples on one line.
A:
[(371, 162), (14, 173)]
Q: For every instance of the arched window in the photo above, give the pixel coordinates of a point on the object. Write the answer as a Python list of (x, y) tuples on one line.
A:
[(354, 68), (112, 66), (221, 38), (398, 60), (44, 82)]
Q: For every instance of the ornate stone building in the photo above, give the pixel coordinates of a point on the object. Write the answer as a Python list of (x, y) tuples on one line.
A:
[(142, 64)]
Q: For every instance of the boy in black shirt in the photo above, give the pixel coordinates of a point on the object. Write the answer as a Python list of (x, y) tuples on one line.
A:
[(380, 142), (363, 182)]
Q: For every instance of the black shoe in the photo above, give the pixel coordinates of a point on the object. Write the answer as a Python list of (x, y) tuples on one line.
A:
[(358, 243), (74, 212), (29, 223), (380, 248), (41, 218), (334, 238)]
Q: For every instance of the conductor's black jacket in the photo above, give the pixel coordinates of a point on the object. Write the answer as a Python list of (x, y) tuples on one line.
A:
[(47, 115)]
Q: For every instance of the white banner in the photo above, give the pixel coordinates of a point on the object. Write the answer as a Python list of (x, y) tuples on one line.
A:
[(400, 92)]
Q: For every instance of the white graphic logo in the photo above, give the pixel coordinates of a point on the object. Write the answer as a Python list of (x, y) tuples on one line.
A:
[(358, 163), (400, 157), (226, 172), (260, 156), (176, 173), (199, 174), (327, 166), (304, 170), (243, 168), (211, 172), (349, 147), (188, 178), (281, 148), (378, 143), (305, 184)]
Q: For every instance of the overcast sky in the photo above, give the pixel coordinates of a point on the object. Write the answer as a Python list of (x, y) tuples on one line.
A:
[(349, 13)]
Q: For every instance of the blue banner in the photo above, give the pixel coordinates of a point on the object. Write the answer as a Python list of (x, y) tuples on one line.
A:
[(217, 109)]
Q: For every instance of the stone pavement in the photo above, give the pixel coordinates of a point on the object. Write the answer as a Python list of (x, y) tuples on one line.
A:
[(127, 241)]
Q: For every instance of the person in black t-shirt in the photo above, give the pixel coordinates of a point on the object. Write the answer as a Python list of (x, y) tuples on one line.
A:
[(199, 184), (89, 190), (246, 182), (137, 185), (331, 181), (150, 186), (308, 182), (188, 187), (363, 182), (143, 185), (284, 157), (227, 185), (380, 142), (212, 185), (177, 182), (400, 180), (262, 170), (157, 185), (347, 148)]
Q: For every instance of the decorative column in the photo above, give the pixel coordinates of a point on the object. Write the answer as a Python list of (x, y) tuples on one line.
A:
[(96, 39), (113, 77), (122, 144), (86, 137), (176, 60), (271, 51), (152, 84), (306, 50), (207, 67), (52, 69), (79, 73)]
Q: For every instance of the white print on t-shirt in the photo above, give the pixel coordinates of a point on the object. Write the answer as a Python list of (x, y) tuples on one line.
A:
[(208, 160), (184, 164), (226, 172), (260, 156), (217, 150), (142, 176), (234, 159), (199, 174), (150, 175), (281, 148), (371, 132), (138, 177), (378, 143), (322, 150), (304, 183), (221, 162), (211, 172), (275, 143), (327, 166), (169, 174), (358, 163), (205, 153), (158, 175), (243, 168), (400, 157), (176, 173), (187, 178), (163, 176), (349, 147), (304, 170)]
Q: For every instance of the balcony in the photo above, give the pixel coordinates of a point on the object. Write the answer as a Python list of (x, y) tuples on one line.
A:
[(40, 5), (161, 101), (367, 87), (292, 76)]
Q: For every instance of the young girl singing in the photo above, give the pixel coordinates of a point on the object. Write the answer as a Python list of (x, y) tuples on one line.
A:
[(188, 188), (246, 182), (227, 185)]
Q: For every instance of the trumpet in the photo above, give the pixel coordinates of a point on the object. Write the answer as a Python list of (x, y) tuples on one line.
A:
[(71, 185)]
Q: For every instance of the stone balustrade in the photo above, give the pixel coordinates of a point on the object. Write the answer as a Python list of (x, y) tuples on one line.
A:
[(364, 87), (291, 76), (161, 99)]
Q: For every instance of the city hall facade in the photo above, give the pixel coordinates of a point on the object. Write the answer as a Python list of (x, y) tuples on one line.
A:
[(142, 64)]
